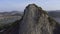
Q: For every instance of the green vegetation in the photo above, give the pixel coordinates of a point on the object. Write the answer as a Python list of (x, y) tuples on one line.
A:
[(1, 27), (42, 11), (8, 22), (7, 26), (52, 21), (45, 12)]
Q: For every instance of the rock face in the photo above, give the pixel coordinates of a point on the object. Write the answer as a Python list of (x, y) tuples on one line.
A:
[(36, 21)]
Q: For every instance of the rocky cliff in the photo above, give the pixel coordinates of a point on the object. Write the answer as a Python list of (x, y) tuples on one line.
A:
[(35, 21)]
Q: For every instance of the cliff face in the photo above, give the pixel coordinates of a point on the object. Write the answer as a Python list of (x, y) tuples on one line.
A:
[(36, 21)]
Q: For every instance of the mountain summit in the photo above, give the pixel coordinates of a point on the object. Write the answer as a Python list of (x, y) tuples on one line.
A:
[(36, 21)]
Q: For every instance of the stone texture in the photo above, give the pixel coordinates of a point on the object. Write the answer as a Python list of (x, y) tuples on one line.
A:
[(35, 21)]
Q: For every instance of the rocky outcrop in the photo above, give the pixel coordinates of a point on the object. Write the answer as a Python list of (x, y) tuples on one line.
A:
[(36, 21)]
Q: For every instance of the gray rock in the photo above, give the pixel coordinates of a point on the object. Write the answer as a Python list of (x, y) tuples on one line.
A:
[(35, 21)]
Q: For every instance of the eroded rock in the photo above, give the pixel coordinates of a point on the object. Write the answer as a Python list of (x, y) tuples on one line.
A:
[(36, 21)]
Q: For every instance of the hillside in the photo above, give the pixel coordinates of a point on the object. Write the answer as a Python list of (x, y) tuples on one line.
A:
[(11, 13), (54, 13), (7, 18)]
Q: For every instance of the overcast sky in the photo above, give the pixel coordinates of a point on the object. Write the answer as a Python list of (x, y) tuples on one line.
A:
[(9, 5)]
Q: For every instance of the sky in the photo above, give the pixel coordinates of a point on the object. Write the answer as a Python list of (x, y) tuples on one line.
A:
[(19, 5)]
